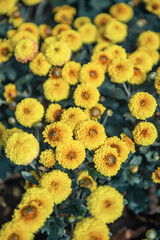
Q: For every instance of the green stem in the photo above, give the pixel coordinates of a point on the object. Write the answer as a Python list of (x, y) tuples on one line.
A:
[(56, 210), (126, 90), (104, 121)]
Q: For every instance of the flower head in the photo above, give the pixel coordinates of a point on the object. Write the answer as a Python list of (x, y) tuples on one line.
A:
[(60, 28), (122, 12), (5, 50), (6, 6), (153, 6), (88, 33), (45, 31), (84, 180), (31, 2), (70, 72), (138, 77), (149, 39), (39, 65), (130, 144), (48, 158), (8, 133), (80, 21), (95, 112), (10, 92), (19, 35), (102, 19), (101, 47), (30, 27), (53, 113), (55, 73), (156, 175), (116, 51)]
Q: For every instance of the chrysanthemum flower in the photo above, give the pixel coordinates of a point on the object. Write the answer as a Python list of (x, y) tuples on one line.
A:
[(48, 158), (31, 2), (128, 141), (116, 31), (120, 70), (93, 74), (19, 35), (106, 161), (84, 180), (70, 154), (29, 111), (101, 58), (30, 27), (106, 204), (6, 6), (65, 15), (102, 19), (5, 50), (8, 133), (138, 77), (88, 33), (142, 105), (22, 148), (156, 175), (149, 39), (56, 90), (122, 12), (57, 133), (60, 28), (58, 53), (12, 231), (2, 131), (153, 6), (39, 65), (25, 50), (72, 116), (53, 113), (86, 96), (55, 73), (15, 16), (10, 92), (91, 228), (80, 21), (152, 53), (117, 51), (157, 84), (90, 133), (101, 47), (145, 133), (45, 31), (101, 38), (95, 112), (70, 72), (46, 43), (58, 184)]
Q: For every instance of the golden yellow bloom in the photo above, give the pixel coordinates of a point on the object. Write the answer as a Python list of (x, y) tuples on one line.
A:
[(145, 133), (101, 38), (55, 73), (120, 70), (8, 133), (95, 112), (6, 6), (70, 72), (15, 16), (12, 230), (58, 53), (101, 47), (153, 6), (10, 92), (117, 51), (105, 203), (31, 2), (106, 161), (92, 74), (5, 50), (45, 31), (19, 35), (80, 21), (84, 180), (142, 105), (149, 39), (86, 96), (25, 50), (156, 175), (101, 58), (122, 12), (22, 148), (58, 184), (30, 27), (91, 228), (90, 133), (116, 31), (2, 131), (138, 77), (39, 65), (152, 53), (72, 38), (56, 90), (70, 154), (65, 14), (157, 84), (73, 116), (48, 158), (53, 113), (57, 133), (88, 33), (128, 141), (102, 19), (60, 28), (46, 43), (29, 111)]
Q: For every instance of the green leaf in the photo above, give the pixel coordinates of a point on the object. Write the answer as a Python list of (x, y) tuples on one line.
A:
[(136, 160), (129, 117), (125, 202), (29, 177)]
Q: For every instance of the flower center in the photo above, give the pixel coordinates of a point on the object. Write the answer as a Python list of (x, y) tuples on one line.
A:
[(107, 204), (93, 74), (120, 67), (54, 134), (104, 21), (48, 31), (110, 160), (85, 95), (137, 71), (92, 132), (66, 19), (57, 114), (95, 112), (144, 132), (29, 212), (71, 155), (26, 110), (86, 182), (54, 185), (116, 147), (142, 103), (56, 72), (103, 59), (72, 73), (155, 6), (5, 51), (13, 236)]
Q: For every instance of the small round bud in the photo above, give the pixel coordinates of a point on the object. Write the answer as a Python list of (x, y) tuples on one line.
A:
[(141, 22), (151, 234), (79, 218), (156, 157), (134, 169), (152, 76), (38, 125), (72, 219), (102, 99), (109, 113), (11, 120)]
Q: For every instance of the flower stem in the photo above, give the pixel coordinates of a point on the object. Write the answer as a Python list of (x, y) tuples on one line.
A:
[(126, 90), (104, 121)]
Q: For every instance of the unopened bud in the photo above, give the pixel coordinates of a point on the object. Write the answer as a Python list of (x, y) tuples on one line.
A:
[(134, 169), (109, 113), (11, 120), (151, 234), (38, 125)]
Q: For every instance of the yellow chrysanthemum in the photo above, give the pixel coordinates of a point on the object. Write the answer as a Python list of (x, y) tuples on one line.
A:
[(138, 77), (39, 65), (149, 39), (101, 38), (53, 113), (65, 15), (15, 16), (116, 31), (19, 35), (56, 90), (72, 38), (102, 19), (12, 231), (120, 70), (6, 5), (152, 53), (31, 2), (88, 33), (10, 92), (153, 6), (142, 105), (128, 141), (91, 228), (145, 133), (55, 73), (101, 58), (25, 50), (48, 158), (80, 21), (5, 50), (95, 112), (58, 184), (86, 96), (22, 148), (46, 43), (8, 133), (72, 116), (30, 27), (60, 28), (45, 31), (122, 12), (105, 203), (58, 53), (84, 180), (90, 133), (156, 175), (70, 72), (57, 133), (117, 51), (106, 161), (70, 154), (93, 74), (29, 111), (157, 84), (2, 131), (101, 47)]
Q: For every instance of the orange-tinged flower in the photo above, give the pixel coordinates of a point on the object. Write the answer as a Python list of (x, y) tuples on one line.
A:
[(53, 113), (138, 77), (122, 12), (156, 175), (130, 144), (60, 28), (102, 19), (10, 92), (102, 58), (45, 30), (84, 180), (95, 112), (70, 72)]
